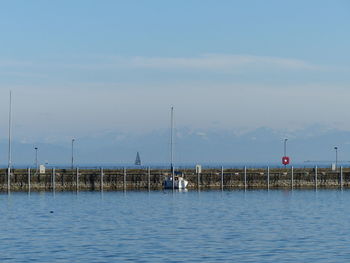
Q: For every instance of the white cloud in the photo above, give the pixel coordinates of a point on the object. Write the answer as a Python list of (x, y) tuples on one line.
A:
[(15, 63), (87, 104), (220, 62), (208, 62)]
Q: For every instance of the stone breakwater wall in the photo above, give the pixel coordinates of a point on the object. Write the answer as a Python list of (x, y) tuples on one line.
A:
[(151, 179)]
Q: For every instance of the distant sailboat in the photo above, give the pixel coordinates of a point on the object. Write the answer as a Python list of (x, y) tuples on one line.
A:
[(138, 159)]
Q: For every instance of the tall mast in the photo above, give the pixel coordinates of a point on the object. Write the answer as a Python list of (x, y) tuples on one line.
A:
[(10, 141), (171, 140)]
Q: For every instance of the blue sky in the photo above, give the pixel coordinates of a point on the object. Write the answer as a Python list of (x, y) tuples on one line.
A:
[(310, 30), (87, 68)]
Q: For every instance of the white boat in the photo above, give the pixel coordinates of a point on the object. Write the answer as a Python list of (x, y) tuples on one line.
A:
[(179, 182), (173, 181)]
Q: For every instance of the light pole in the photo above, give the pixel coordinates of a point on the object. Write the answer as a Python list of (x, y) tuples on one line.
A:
[(36, 159), (285, 146), (10, 144), (72, 153), (336, 157), (285, 159)]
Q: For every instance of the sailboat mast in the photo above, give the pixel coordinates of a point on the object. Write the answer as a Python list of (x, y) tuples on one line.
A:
[(171, 140), (10, 142), (172, 148)]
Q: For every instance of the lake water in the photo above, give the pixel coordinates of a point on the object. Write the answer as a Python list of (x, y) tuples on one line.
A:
[(161, 226)]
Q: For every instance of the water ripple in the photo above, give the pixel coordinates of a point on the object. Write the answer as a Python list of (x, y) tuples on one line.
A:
[(206, 226)]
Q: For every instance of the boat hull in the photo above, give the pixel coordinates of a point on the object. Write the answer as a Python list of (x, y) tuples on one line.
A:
[(178, 184)]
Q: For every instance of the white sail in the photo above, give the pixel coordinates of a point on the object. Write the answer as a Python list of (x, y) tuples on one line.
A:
[(138, 159)]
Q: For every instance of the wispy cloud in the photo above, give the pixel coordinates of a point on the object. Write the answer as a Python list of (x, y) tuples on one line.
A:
[(22, 74), (221, 62), (206, 62), (15, 63)]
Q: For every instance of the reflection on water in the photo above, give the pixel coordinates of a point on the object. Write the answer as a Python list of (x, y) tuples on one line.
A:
[(179, 226)]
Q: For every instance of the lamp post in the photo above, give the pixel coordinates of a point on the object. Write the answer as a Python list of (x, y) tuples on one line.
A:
[(36, 159), (285, 147), (336, 157), (285, 159), (72, 166), (10, 144)]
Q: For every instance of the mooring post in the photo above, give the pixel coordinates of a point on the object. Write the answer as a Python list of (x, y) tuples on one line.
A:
[(149, 178), (101, 179), (124, 181), (77, 177), (222, 178), (245, 177), (198, 180), (292, 177), (173, 175), (341, 177), (28, 179), (268, 178), (316, 177), (53, 179)]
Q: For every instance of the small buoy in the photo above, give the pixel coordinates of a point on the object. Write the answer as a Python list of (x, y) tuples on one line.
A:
[(51, 212)]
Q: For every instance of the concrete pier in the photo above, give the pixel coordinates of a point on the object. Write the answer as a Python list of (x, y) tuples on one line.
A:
[(151, 179)]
